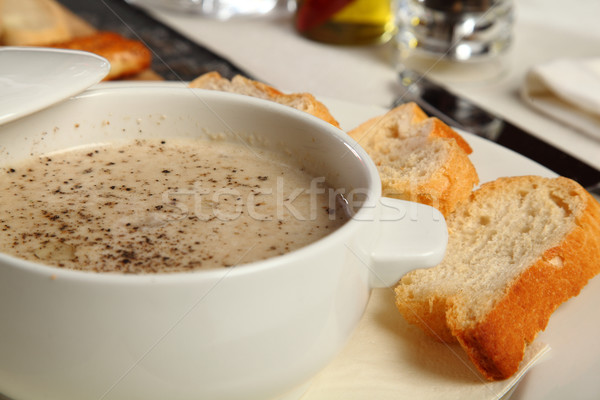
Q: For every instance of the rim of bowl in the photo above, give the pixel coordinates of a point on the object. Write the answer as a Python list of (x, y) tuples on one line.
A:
[(351, 145)]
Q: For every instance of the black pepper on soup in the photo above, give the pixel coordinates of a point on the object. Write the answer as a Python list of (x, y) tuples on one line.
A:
[(154, 206)]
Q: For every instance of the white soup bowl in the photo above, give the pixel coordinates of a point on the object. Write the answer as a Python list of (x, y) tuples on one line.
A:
[(254, 331)]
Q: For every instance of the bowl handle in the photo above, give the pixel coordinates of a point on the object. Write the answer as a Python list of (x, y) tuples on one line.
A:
[(412, 236)]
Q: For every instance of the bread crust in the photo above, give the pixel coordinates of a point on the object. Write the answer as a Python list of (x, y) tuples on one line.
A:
[(430, 316), (411, 110), (496, 344), (240, 84), (446, 185), (442, 130), (127, 57)]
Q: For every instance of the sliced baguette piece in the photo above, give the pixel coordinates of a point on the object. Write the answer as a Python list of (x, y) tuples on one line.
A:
[(32, 23), (518, 248), (242, 85), (418, 158)]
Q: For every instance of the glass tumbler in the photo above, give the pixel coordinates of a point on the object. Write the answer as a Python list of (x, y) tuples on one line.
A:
[(454, 36)]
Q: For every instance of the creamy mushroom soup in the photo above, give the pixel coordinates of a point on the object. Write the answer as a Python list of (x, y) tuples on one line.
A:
[(149, 206)]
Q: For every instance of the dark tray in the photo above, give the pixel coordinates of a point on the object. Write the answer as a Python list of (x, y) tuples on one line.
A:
[(175, 57)]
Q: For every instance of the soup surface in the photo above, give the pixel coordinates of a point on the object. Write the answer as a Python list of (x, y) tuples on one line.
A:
[(149, 206)]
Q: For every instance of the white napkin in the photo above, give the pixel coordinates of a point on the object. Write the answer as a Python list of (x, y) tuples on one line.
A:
[(388, 359), (567, 90)]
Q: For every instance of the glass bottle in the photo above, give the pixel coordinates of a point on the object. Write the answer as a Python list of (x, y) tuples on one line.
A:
[(346, 22)]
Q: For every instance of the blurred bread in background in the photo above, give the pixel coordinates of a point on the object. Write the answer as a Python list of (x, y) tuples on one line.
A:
[(47, 23), (32, 23), (127, 57)]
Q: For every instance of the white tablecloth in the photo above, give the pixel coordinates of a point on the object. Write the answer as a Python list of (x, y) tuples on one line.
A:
[(270, 50)]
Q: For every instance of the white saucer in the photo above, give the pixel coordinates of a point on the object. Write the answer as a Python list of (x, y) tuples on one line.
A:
[(34, 78), (570, 370)]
